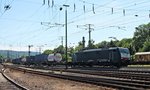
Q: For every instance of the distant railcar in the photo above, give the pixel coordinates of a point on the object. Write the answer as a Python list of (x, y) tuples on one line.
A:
[(142, 58), (17, 61), (116, 56), (30, 60), (41, 59)]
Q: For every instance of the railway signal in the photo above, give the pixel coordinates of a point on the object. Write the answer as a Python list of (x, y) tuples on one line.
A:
[(29, 46)]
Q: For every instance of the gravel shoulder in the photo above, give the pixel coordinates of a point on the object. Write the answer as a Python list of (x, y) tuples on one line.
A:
[(38, 82), (6, 85)]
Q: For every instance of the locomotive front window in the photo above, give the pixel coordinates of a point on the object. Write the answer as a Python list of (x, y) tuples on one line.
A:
[(124, 53)]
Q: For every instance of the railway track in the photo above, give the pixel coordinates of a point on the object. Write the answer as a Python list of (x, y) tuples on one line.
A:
[(7, 83), (107, 81), (127, 75)]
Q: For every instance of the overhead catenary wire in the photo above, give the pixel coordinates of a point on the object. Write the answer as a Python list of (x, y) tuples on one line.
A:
[(117, 10), (79, 20), (79, 15)]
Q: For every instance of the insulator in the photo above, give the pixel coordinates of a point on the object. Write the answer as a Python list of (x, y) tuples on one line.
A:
[(74, 7), (124, 12), (52, 3), (7, 7), (93, 9), (48, 3), (112, 10), (149, 13), (43, 2), (84, 8)]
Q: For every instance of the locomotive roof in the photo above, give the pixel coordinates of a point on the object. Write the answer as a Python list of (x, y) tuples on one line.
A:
[(99, 49), (142, 53)]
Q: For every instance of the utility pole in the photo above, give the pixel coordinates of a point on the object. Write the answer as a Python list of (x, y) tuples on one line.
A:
[(87, 27), (40, 48), (66, 33), (61, 37), (8, 54)]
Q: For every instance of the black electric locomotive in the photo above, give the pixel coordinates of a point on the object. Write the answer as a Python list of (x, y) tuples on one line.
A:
[(116, 56)]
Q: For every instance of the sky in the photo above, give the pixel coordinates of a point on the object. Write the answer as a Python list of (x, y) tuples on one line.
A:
[(20, 25)]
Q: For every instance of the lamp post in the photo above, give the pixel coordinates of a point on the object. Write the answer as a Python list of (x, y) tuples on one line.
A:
[(66, 33)]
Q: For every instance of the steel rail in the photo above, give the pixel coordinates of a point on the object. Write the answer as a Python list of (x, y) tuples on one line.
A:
[(120, 84), (127, 75), (12, 81)]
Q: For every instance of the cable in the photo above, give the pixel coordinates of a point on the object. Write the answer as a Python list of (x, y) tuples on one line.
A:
[(29, 1), (81, 19), (109, 11), (35, 12), (78, 17)]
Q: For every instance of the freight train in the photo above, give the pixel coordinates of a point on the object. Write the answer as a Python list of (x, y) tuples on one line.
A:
[(116, 56)]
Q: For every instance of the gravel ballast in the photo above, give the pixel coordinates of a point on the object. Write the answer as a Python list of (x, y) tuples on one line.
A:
[(38, 82)]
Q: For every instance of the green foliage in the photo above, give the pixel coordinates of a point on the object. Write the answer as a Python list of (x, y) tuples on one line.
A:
[(141, 34), (124, 43), (71, 50), (69, 56), (91, 46), (102, 44), (48, 52), (146, 47), (79, 47), (112, 44), (1, 58), (59, 49)]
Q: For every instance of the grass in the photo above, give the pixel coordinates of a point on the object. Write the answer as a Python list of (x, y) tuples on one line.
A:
[(147, 66)]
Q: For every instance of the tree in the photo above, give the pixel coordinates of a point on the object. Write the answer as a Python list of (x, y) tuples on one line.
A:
[(111, 44), (48, 52), (146, 47), (1, 58), (92, 46), (141, 34), (79, 47), (59, 49), (126, 43), (102, 44)]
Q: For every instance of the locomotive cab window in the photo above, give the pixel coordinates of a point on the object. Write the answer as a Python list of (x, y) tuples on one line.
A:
[(125, 54)]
